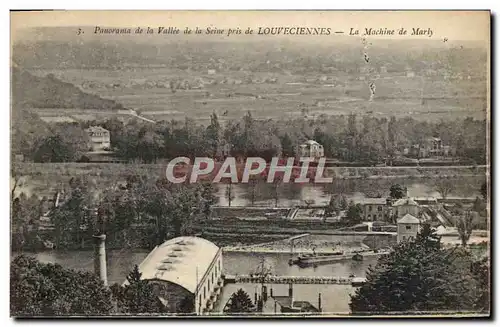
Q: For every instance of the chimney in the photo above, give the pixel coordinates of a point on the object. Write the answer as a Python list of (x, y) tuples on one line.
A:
[(290, 294), (100, 258)]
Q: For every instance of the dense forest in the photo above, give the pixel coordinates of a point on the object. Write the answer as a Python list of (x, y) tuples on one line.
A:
[(352, 138), (157, 209)]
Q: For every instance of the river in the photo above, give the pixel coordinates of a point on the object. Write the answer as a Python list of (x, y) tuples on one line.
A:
[(335, 298), (289, 194), (356, 190)]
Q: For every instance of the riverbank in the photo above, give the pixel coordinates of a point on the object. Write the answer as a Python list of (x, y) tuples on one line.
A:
[(305, 244), (46, 177)]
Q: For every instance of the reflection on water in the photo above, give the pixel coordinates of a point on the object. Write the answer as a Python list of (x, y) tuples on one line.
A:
[(244, 263), (335, 297), (291, 194)]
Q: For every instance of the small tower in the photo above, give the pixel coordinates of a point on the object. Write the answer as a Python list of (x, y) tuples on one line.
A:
[(408, 227)]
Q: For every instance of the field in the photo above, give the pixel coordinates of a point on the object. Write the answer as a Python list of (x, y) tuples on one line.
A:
[(270, 95)]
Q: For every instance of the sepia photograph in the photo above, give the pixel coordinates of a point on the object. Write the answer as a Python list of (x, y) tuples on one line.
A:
[(228, 164)]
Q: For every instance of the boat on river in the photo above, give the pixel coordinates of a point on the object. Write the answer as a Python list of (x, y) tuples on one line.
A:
[(315, 259), (311, 259)]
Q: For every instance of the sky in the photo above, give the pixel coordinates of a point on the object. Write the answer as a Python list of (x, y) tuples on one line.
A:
[(450, 25)]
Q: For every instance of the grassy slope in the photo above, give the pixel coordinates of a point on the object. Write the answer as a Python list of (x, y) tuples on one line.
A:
[(29, 91)]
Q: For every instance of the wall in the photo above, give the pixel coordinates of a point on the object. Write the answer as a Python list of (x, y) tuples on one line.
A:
[(380, 241), (383, 213), (248, 212), (404, 233), (207, 284)]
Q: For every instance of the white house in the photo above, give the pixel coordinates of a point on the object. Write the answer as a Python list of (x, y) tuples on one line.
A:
[(99, 137), (408, 228), (311, 149)]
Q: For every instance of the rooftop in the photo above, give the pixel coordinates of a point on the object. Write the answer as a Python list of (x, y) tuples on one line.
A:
[(373, 201), (405, 201), (311, 142), (408, 219), (425, 198), (182, 261), (96, 129)]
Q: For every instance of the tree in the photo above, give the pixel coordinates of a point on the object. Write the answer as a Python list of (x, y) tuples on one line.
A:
[(397, 191), (54, 149), (213, 134), (186, 305), (253, 181), (39, 289), (276, 189), (444, 186), (67, 143), (464, 227), (287, 146), (149, 145), (16, 181), (479, 206), (354, 212), (229, 193), (170, 209), (208, 199), (481, 271), (343, 202), (120, 211), (239, 302), (332, 207), (351, 137), (418, 276), (137, 296), (25, 213), (74, 218), (484, 190), (391, 134)]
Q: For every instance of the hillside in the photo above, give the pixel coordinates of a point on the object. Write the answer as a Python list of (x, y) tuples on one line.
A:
[(55, 48), (29, 91)]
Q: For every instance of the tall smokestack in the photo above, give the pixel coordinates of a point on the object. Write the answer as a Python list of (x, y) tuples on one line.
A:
[(100, 258), (319, 302), (290, 294)]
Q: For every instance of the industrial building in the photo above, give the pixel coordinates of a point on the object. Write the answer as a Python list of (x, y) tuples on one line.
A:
[(185, 270)]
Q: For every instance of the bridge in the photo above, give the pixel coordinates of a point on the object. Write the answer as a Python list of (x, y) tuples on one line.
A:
[(332, 280)]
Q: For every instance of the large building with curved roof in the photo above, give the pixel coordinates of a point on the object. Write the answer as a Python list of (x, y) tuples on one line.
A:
[(186, 272)]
